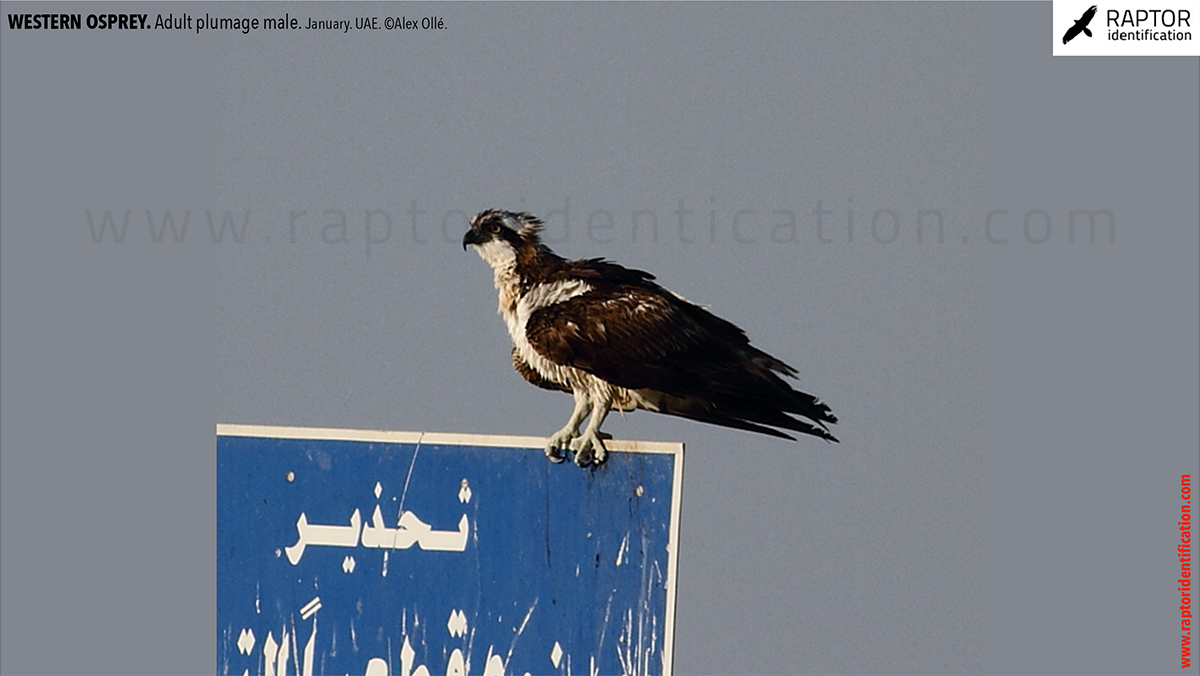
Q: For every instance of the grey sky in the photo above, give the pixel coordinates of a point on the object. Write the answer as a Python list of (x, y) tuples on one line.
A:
[(604, 110), (1015, 417)]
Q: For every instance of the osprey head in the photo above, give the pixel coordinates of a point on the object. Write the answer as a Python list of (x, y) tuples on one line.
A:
[(498, 235)]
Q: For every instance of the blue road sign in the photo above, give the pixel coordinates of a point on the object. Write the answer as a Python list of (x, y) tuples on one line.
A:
[(410, 554)]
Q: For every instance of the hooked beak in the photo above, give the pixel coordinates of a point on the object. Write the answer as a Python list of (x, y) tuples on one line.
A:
[(472, 237)]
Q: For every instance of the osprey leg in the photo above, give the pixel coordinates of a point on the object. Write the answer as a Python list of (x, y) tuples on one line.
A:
[(557, 444), (589, 446)]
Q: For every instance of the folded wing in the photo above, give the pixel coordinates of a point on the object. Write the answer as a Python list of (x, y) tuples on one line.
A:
[(636, 335)]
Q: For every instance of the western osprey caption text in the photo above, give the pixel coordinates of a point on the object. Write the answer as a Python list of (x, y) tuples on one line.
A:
[(210, 22)]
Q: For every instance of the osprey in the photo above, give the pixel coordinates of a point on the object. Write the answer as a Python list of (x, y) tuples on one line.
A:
[(614, 338)]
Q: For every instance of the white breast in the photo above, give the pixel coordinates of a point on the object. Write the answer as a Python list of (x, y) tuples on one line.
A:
[(540, 296)]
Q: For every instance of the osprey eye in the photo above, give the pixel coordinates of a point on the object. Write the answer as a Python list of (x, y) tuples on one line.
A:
[(494, 228)]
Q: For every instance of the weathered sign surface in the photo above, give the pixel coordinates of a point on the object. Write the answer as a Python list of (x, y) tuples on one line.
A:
[(369, 552)]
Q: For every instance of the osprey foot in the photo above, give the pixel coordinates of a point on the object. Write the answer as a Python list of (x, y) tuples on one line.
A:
[(589, 448), (556, 446)]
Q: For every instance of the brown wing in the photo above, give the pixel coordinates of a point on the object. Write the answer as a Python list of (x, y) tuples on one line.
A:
[(641, 337)]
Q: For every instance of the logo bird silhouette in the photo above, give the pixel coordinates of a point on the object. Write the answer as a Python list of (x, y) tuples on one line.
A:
[(1081, 26)]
